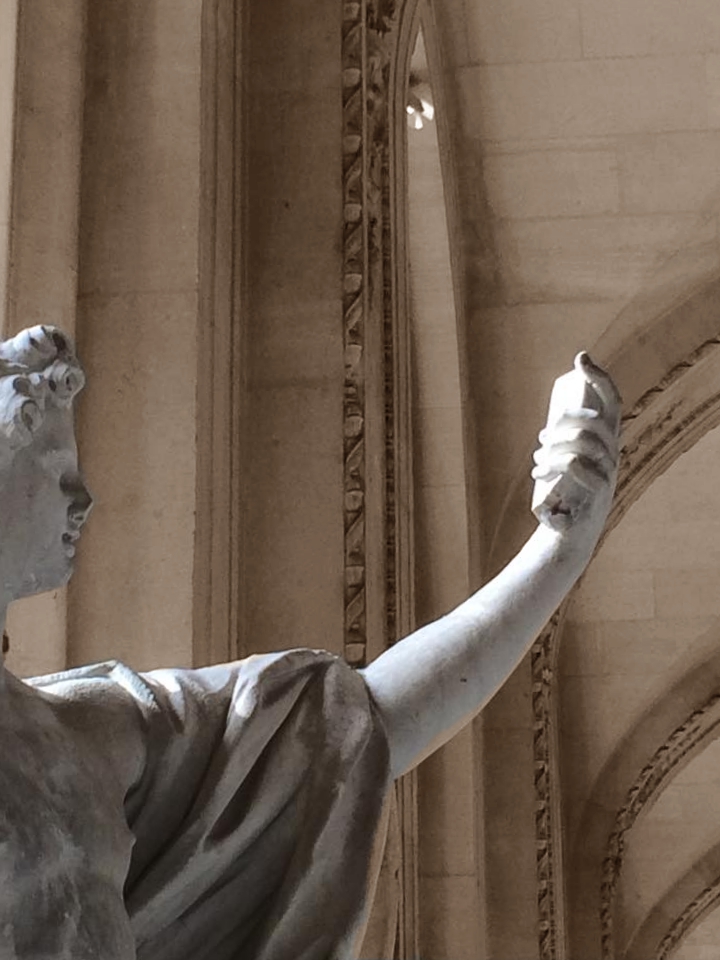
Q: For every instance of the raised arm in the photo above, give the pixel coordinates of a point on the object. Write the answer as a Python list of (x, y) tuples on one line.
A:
[(429, 685)]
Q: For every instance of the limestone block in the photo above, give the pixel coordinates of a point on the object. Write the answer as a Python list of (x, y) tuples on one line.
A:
[(440, 460), (687, 593), (629, 647), (601, 257), (641, 28), (136, 436), (294, 345), (49, 93), (670, 173), (506, 769), (452, 18), (141, 148), (288, 467), (523, 31), (584, 98), (512, 884), (511, 708), (712, 71), (442, 564), (8, 41), (435, 372), (42, 616), (148, 243), (678, 544), (701, 942), (597, 712), (314, 25), (449, 927), (295, 210), (615, 595), (581, 654), (552, 183), (447, 809)]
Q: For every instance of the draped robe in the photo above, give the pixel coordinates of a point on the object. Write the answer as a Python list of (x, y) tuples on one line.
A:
[(251, 795)]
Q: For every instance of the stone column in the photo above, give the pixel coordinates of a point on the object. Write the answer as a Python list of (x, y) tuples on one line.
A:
[(42, 247), (292, 308), (132, 596), (8, 47)]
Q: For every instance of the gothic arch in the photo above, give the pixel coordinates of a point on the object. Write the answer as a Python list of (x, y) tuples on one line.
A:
[(671, 388)]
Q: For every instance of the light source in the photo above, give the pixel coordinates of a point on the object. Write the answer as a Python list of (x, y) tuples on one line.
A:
[(419, 105)]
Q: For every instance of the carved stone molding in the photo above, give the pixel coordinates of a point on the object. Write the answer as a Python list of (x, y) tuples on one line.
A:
[(671, 377), (701, 905), (367, 49), (377, 457), (665, 421), (649, 783), (546, 788)]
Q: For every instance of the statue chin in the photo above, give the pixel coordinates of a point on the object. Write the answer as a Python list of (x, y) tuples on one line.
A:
[(51, 577)]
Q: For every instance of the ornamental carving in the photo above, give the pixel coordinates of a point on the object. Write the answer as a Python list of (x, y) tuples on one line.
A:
[(706, 901), (546, 789), (367, 48), (661, 425), (649, 783)]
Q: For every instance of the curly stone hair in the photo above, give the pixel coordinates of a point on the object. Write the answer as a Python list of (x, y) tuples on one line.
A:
[(38, 367)]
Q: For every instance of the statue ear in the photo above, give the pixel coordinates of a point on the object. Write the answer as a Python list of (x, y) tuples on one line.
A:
[(21, 410)]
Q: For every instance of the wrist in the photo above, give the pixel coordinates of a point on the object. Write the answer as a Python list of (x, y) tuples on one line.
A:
[(570, 549)]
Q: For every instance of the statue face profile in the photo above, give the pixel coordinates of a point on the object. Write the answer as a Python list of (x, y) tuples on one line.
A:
[(43, 499)]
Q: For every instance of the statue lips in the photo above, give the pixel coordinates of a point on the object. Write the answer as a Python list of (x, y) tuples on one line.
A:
[(69, 538)]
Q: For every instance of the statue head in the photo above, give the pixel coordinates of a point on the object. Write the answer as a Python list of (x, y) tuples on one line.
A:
[(43, 499)]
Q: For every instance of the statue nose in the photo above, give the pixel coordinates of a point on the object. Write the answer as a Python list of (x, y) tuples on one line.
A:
[(81, 501)]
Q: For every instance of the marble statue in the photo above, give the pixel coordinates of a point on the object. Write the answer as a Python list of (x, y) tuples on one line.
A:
[(234, 812)]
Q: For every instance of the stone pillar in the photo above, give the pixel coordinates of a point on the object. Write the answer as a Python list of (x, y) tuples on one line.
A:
[(42, 273), (8, 47), (137, 332), (292, 309)]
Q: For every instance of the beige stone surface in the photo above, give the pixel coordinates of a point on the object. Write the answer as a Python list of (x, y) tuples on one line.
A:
[(592, 258), (447, 810), (293, 565), (552, 183), (42, 282), (617, 672), (449, 921), (290, 601), (8, 44), (701, 942), (585, 98), (674, 834), (141, 150), (511, 878), (523, 31), (712, 79), (617, 595), (441, 463), (670, 173), (436, 374), (442, 571), (683, 590), (135, 437), (37, 630), (649, 27), (39, 251)]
